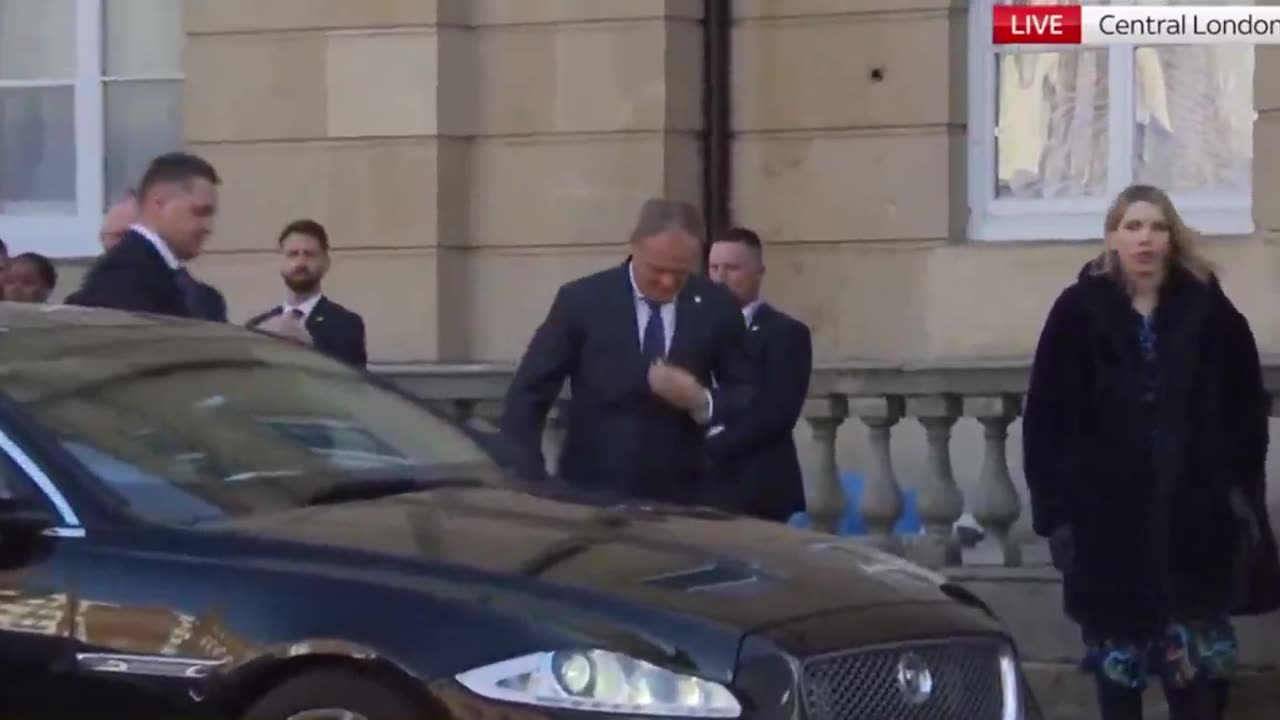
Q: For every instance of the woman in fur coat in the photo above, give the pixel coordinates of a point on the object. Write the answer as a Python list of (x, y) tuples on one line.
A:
[(1145, 439)]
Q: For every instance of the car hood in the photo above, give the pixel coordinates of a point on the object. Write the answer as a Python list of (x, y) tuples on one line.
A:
[(745, 573)]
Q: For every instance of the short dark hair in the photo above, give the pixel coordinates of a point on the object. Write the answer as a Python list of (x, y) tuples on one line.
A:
[(44, 268), (176, 167), (4, 248), (308, 227), (743, 235)]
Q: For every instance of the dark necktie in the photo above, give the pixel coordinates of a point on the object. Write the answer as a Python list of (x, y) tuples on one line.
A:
[(654, 346), (191, 294), (296, 313)]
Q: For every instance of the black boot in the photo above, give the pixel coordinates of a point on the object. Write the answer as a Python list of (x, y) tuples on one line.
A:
[(1201, 700), (1119, 703)]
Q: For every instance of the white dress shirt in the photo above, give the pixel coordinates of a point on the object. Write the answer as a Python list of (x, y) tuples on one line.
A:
[(305, 307), (749, 311), (668, 311), (161, 246)]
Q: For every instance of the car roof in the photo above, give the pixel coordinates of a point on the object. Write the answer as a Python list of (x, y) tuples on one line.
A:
[(30, 331)]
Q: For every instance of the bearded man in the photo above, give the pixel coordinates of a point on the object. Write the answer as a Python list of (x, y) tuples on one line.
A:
[(307, 315)]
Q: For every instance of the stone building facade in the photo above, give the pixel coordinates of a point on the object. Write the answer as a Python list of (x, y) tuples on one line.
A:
[(470, 155)]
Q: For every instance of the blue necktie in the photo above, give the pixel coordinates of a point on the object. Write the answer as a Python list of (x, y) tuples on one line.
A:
[(191, 295), (654, 346)]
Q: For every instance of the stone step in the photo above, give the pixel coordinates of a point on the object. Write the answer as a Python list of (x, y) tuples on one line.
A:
[(1064, 692)]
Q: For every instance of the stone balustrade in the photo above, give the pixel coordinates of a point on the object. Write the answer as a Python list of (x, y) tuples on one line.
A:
[(870, 397)]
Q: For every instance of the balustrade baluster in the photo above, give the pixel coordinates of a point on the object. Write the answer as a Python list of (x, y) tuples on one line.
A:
[(881, 501), (824, 497), (997, 505), (939, 499)]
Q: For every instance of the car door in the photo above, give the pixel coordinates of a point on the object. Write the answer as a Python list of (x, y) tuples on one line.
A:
[(37, 609)]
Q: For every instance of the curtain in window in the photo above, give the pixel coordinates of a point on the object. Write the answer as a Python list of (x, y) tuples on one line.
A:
[(1193, 119), (37, 113), (1204, 142), (1074, 162), (142, 69)]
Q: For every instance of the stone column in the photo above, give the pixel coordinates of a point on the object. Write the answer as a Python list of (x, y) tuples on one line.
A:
[(997, 505), (356, 115), (881, 502), (940, 501), (824, 497)]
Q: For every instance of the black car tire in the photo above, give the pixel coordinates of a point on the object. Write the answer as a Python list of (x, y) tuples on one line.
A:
[(319, 690)]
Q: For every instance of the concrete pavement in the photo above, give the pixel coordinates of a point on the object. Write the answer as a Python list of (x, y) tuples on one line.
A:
[(1065, 693)]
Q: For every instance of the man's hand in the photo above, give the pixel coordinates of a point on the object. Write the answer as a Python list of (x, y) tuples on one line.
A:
[(288, 327), (678, 387)]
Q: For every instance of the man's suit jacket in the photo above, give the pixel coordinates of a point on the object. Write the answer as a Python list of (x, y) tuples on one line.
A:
[(213, 305), (622, 440), (335, 331), (132, 276), (756, 457)]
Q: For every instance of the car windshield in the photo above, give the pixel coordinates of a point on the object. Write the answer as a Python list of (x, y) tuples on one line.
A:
[(206, 424)]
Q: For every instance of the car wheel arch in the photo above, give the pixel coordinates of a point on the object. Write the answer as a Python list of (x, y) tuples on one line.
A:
[(238, 691)]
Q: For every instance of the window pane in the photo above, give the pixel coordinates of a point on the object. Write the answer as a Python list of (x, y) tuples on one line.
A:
[(1051, 124), (143, 119), (142, 38), (1194, 117), (37, 39), (37, 150)]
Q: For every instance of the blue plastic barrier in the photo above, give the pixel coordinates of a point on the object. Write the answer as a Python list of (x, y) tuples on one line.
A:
[(851, 522)]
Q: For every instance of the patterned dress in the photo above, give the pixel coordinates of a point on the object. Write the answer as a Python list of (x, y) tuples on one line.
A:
[(1189, 649)]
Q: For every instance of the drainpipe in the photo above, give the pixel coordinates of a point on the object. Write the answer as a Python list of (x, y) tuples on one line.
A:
[(717, 31)]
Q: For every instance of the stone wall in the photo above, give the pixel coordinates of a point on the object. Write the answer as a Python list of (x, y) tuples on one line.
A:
[(466, 155), (470, 155)]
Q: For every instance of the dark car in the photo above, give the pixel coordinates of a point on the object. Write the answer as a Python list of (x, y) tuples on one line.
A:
[(202, 521)]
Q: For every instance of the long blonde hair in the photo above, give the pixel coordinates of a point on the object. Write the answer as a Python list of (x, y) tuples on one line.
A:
[(1183, 241)]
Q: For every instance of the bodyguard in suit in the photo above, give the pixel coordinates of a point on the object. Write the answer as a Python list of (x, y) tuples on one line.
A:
[(307, 314), (756, 454), (638, 343), (203, 300), (146, 270)]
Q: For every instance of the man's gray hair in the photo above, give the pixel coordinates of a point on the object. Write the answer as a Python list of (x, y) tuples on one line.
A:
[(659, 215)]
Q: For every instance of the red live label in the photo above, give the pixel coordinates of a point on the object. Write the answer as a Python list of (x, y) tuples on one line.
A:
[(1036, 24)]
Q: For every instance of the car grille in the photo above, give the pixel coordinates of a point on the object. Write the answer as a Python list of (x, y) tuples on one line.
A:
[(866, 685)]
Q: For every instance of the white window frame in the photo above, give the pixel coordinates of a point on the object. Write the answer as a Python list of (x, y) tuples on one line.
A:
[(76, 236), (1029, 219)]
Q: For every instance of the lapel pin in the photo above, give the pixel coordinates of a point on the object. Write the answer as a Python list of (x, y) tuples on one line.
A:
[(754, 328), (697, 299)]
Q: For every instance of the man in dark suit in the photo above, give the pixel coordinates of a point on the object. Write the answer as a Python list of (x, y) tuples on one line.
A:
[(307, 315), (203, 300), (756, 453), (145, 271), (639, 344)]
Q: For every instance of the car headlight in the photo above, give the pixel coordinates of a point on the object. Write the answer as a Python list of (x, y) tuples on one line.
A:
[(600, 681)]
